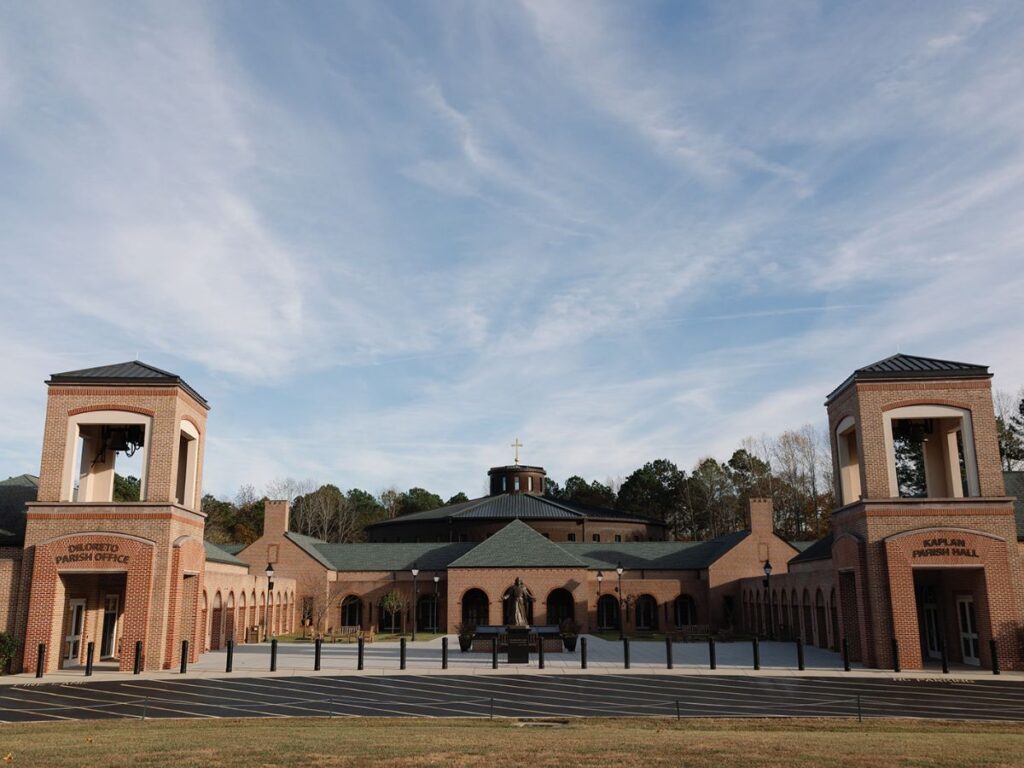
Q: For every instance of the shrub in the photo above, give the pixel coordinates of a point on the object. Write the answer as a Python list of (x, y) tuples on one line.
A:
[(569, 627), (8, 647), (465, 629)]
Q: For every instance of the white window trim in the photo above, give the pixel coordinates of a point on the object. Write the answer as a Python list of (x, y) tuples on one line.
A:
[(843, 453), (102, 417), (931, 412), (191, 468)]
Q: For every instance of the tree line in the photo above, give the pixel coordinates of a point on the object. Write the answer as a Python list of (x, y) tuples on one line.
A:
[(1010, 428), (794, 469)]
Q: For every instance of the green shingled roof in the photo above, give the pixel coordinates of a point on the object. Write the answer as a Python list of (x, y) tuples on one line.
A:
[(517, 545), (392, 557), (654, 555), (215, 554)]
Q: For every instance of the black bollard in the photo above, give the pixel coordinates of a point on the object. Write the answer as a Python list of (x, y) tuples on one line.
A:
[(712, 660), (945, 656), (401, 653), (625, 652), (994, 650), (183, 667), (138, 658), (361, 644), (757, 654), (90, 647), (40, 659), (800, 654), (583, 653), (846, 655), (895, 655), (668, 652), (317, 648), (444, 653), (494, 653), (540, 652), (273, 655), (229, 662)]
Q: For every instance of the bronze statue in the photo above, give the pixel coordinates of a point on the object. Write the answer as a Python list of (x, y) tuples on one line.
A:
[(519, 594)]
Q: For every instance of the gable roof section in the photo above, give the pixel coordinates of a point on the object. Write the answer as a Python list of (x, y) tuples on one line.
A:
[(515, 506), (913, 367), (819, 550), (392, 557), (133, 372), (215, 554), (654, 555), (517, 545), (309, 545)]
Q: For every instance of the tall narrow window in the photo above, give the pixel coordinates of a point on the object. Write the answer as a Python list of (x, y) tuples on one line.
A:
[(517, 483), (529, 484)]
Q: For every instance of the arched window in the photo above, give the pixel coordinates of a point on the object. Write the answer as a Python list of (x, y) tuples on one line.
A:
[(808, 621), (560, 606), (217, 623), (229, 617), (819, 604), (848, 454), (685, 611), (607, 612), (930, 450), (795, 607), (646, 613), (785, 614), (475, 608), (835, 620), (351, 612)]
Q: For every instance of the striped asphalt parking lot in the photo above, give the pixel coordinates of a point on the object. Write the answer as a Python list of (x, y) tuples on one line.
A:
[(517, 696)]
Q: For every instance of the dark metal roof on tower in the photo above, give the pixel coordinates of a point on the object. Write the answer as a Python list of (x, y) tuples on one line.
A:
[(133, 372), (903, 366)]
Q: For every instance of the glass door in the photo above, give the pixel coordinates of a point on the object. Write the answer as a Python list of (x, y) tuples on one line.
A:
[(73, 640), (968, 630), (108, 639)]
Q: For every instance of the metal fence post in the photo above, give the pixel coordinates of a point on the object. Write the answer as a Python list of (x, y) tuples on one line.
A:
[(712, 661), (444, 653), (401, 653), (846, 655), (895, 655), (361, 644), (540, 652), (90, 648), (317, 649), (137, 670), (229, 663), (183, 662), (494, 653), (757, 654), (273, 655), (668, 652), (625, 652), (40, 659), (583, 653), (800, 655), (994, 650)]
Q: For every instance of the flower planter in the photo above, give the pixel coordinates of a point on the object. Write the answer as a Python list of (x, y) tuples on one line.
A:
[(465, 642), (569, 641)]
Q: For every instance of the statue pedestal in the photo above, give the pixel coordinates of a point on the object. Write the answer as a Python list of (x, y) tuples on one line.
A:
[(518, 645)]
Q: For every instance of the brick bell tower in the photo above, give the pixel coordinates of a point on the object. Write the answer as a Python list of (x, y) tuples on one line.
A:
[(120, 568), (924, 546)]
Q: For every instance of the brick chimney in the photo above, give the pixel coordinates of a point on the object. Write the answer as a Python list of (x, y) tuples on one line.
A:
[(760, 517), (275, 517)]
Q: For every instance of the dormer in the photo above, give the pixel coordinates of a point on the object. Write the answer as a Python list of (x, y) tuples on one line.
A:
[(128, 418)]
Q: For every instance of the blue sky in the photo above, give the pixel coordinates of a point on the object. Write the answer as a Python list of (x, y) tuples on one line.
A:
[(385, 239)]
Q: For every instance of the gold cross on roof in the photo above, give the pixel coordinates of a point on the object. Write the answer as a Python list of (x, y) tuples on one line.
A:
[(517, 445)]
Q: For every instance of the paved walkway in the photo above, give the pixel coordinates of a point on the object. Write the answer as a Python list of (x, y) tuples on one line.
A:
[(518, 696), (424, 658)]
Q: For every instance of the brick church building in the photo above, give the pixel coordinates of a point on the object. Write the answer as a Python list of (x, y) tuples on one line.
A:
[(923, 557)]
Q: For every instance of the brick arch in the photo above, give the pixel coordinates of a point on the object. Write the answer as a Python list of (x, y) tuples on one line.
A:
[(112, 407), (927, 401), (191, 420)]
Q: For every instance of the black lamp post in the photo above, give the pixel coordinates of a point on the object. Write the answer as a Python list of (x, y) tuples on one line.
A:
[(768, 598), (436, 579), (415, 592), (618, 570), (266, 601)]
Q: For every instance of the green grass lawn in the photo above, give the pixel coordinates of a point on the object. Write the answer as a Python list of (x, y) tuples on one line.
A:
[(598, 742)]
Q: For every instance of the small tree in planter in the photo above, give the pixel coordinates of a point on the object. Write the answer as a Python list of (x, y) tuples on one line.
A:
[(569, 630), (395, 603), (8, 647), (466, 632)]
